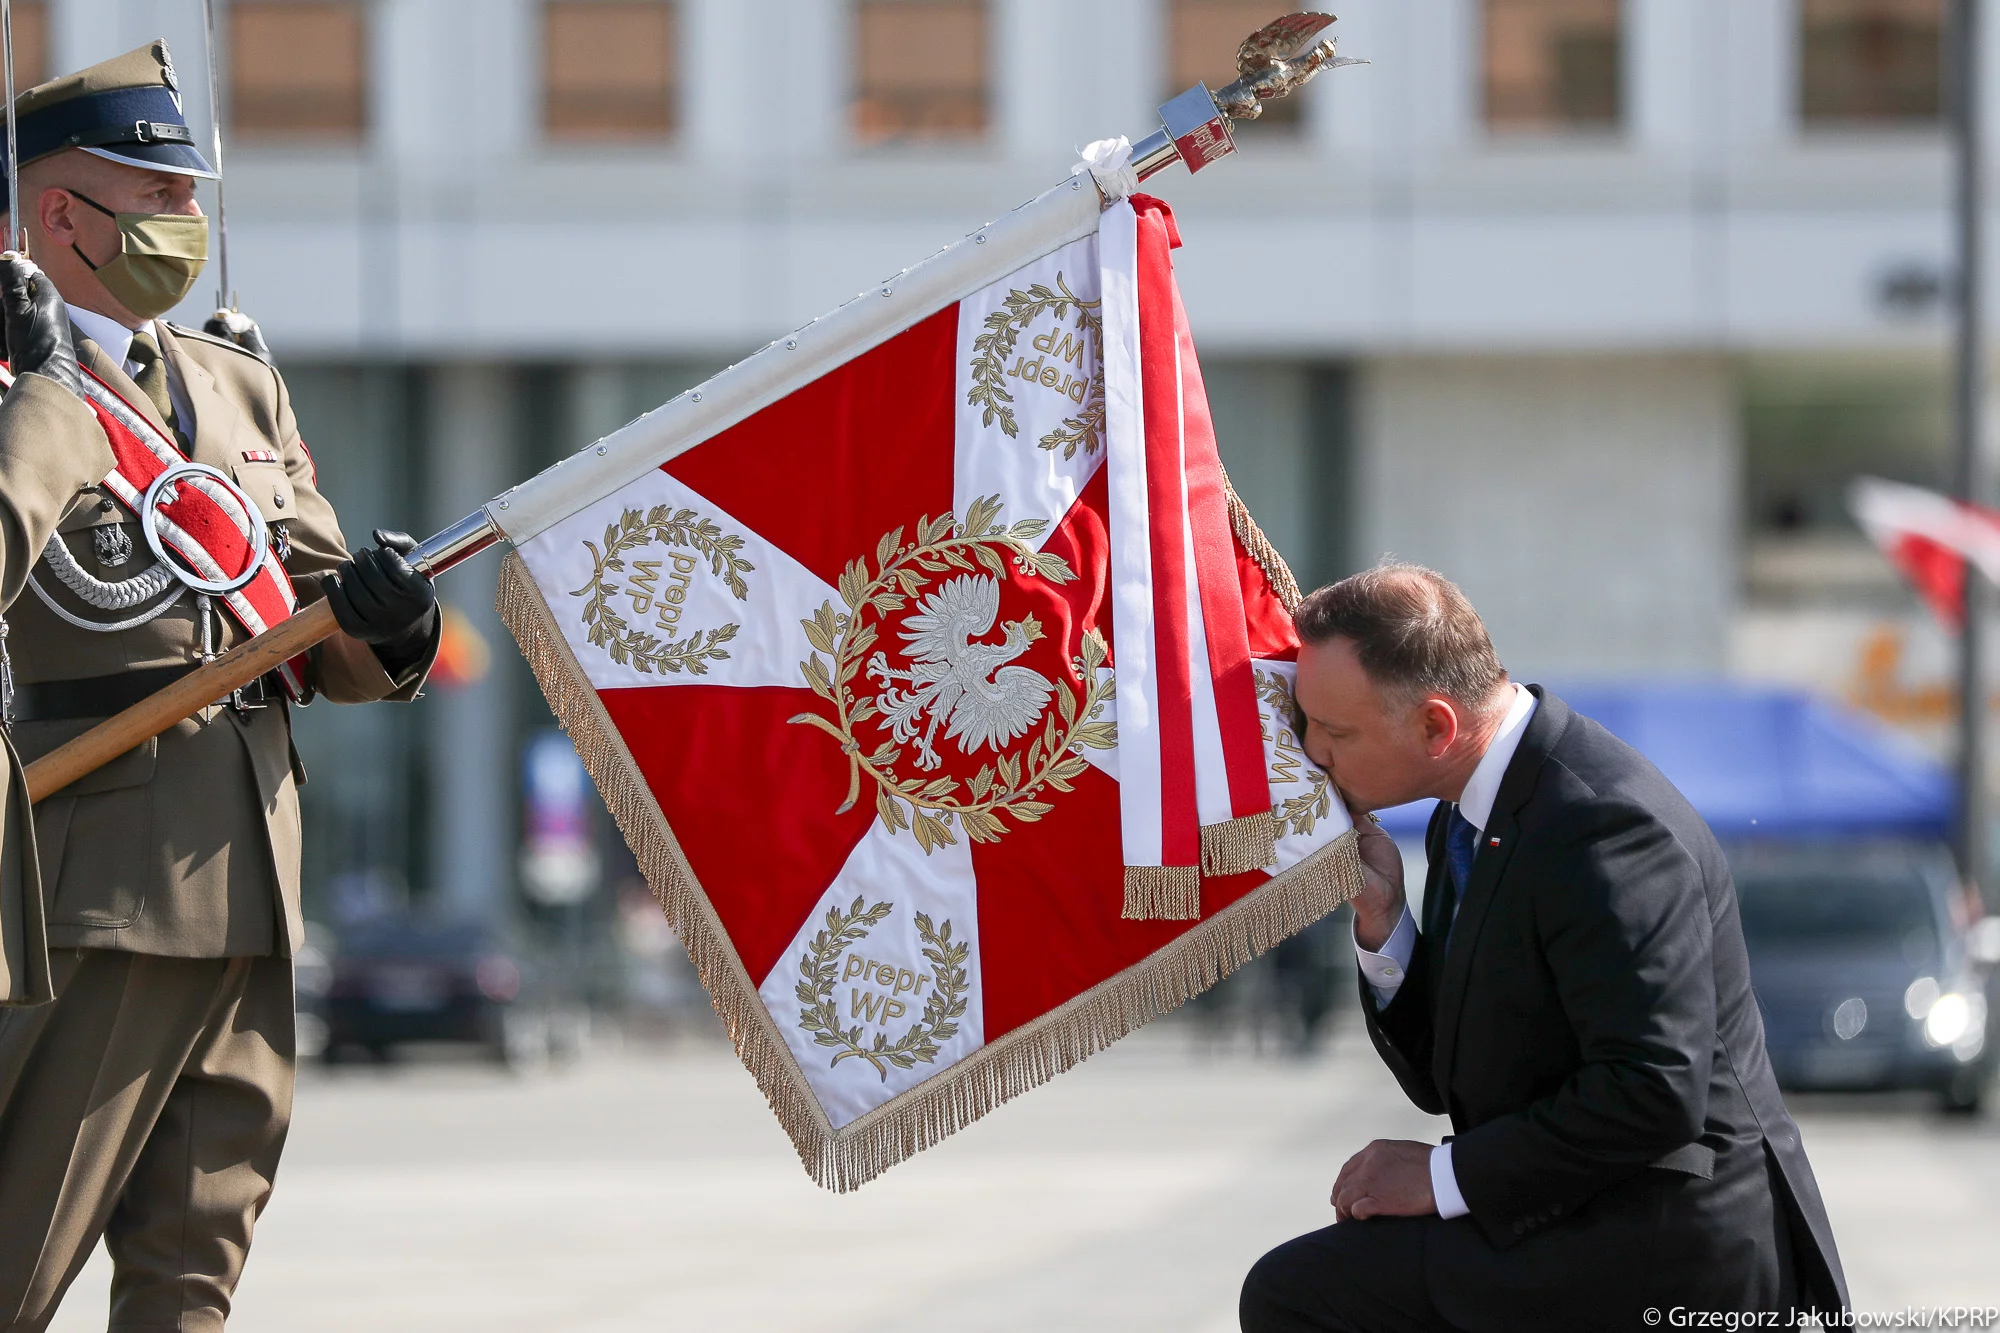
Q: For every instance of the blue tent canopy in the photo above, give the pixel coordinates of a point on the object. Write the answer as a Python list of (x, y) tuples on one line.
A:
[(1765, 762)]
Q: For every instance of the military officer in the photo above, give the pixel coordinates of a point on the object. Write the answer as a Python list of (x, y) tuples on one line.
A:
[(147, 1100)]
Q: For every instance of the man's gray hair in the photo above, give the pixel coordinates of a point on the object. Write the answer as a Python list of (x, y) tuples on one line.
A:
[(1414, 631)]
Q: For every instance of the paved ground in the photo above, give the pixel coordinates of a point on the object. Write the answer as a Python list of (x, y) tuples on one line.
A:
[(653, 1190)]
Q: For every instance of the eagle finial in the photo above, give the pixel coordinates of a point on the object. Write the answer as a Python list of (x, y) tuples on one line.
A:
[(1277, 59)]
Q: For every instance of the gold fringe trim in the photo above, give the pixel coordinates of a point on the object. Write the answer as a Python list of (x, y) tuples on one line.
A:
[(1023, 1059), (611, 767), (1247, 842), (1060, 1040), (1162, 893), (1260, 549)]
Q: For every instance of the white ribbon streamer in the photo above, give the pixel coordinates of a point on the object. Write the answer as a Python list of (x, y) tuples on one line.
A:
[(1109, 162)]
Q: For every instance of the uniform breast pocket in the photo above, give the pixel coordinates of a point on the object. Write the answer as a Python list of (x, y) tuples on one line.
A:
[(98, 528), (92, 509), (269, 488)]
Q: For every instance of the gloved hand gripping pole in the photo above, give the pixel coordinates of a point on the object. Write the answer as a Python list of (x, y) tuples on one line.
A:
[(234, 669)]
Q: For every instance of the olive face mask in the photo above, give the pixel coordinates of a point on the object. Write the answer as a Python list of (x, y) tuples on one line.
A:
[(160, 256)]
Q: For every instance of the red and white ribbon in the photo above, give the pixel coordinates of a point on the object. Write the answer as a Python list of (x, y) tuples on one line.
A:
[(1192, 788), (1234, 791), (1158, 820)]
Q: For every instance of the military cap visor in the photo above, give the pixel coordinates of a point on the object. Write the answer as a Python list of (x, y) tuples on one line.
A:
[(142, 127), (127, 110)]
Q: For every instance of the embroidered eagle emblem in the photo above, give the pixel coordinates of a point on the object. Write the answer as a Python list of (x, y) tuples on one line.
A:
[(955, 679)]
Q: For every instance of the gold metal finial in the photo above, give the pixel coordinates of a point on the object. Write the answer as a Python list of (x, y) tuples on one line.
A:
[(1277, 59)]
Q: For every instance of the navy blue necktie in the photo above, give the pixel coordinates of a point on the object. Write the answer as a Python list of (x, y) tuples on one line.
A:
[(1461, 842)]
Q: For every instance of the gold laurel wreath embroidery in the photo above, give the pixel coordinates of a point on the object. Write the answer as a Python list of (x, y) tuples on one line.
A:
[(820, 1016), (1007, 787), (1301, 813), (991, 349), (648, 652)]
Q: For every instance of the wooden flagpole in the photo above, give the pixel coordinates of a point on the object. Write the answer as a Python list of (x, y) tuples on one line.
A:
[(212, 682)]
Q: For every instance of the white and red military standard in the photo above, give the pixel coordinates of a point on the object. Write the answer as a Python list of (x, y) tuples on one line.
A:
[(938, 680)]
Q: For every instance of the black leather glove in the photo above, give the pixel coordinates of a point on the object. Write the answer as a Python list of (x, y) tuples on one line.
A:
[(36, 323), (379, 599), (237, 327)]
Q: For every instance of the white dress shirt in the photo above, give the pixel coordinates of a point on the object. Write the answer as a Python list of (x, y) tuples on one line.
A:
[(116, 341), (1385, 970)]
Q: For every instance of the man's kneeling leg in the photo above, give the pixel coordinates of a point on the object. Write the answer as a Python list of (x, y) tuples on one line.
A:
[(1354, 1277)]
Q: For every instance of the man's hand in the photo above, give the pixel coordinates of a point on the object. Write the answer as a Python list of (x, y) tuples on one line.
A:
[(1388, 1178), (36, 323), (237, 327), (1379, 905), (378, 598)]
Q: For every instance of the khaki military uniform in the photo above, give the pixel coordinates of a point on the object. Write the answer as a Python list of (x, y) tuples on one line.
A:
[(149, 1102)]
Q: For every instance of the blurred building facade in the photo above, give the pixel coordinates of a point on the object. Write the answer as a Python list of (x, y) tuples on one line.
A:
[(1593, 304)]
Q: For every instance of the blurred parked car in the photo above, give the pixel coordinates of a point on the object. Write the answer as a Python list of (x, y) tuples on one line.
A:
[(405, 978), (1870, 967)]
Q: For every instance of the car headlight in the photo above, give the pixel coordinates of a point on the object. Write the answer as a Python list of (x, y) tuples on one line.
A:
[(1949, 1017), (1957, 1019), (1922, 994)]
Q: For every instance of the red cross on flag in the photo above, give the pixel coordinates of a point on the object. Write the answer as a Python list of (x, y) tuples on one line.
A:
[(938, 680)]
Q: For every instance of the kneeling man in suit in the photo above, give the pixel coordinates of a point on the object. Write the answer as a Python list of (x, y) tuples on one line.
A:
[(1576, 997)]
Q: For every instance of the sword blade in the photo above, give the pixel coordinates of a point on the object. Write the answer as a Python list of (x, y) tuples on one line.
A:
[(14, 229), (225, 296)]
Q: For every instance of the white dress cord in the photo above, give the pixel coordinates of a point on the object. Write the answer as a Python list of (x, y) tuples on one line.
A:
[(120, 596)]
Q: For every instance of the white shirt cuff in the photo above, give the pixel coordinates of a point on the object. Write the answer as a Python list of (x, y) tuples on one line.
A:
[(1385, 970), (1444, 1185)]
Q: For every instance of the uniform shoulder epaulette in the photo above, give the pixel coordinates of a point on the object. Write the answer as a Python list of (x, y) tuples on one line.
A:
[(200, 335)]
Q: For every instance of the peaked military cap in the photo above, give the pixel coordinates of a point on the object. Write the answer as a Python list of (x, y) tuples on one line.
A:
[(127, 109)]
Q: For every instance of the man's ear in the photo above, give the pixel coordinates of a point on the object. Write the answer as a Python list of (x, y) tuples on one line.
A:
[(53, 210), (1439, 721)]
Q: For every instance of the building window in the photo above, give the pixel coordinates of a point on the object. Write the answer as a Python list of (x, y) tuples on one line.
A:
[(31, 44), (609, 69), (920, 69), (298, 69), (1810, 426), (1203, 36), (1552, 65), (1871, 61)]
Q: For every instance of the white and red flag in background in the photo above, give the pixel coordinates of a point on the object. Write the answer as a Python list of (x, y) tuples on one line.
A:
[(938, 680), (1929, 537)]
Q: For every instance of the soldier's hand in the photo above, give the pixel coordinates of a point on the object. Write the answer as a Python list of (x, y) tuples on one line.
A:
[(237, 327), (378, 597), (36, 323)]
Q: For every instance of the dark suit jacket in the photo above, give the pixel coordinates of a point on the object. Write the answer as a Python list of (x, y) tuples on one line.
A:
[(1591, 1031)]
